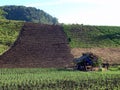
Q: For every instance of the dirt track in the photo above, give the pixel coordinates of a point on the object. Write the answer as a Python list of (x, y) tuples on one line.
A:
[(38, 45)]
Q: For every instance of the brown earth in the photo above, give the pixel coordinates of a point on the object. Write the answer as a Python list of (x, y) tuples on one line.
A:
[(38, 45), (112, 55)]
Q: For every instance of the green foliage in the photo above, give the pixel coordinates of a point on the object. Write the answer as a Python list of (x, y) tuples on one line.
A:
[(97, 63), (2, 13), (56, 79), (93, 36), (9, 31), (115, 68), (118, 67), (28, 14), (3, 48)]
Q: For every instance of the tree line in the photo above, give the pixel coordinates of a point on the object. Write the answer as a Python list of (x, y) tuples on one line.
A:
[(28, 14)]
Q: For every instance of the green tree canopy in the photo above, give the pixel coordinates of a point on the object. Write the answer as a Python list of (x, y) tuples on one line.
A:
[(28, 14), (2, 13)]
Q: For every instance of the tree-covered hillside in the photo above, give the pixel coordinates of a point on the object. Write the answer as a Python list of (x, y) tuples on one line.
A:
[(28, 14), (93, 36)]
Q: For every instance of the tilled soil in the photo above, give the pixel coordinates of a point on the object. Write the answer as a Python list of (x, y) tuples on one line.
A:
[(38, 45), (112, 55)]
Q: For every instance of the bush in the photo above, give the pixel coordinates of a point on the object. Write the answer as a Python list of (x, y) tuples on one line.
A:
[(98, 62)]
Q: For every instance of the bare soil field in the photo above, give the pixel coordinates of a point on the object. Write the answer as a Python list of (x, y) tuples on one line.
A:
[(38, 45), (112, 55)]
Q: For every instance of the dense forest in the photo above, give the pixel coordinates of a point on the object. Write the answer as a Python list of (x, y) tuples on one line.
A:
[(28, 14)]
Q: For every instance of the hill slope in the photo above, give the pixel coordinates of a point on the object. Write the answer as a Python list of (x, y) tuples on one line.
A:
[(93, 36), (28, 14), (9, 31), (101, 40), (38, 45)]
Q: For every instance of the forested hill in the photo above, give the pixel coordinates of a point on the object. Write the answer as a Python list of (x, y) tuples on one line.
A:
[(28, 14)]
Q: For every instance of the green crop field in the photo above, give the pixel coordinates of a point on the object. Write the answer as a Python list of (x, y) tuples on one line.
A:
[(9, 31), (57, 79), (84, 36)]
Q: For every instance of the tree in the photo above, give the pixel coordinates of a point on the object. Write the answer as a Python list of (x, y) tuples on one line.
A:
[(2, 13)]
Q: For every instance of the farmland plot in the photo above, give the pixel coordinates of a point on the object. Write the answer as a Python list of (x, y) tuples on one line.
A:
[(57, 79)]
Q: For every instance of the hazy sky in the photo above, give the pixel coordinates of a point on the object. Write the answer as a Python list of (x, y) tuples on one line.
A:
[(92, 12)]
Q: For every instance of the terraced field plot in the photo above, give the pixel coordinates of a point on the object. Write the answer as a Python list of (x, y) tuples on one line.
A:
[(38, 45)]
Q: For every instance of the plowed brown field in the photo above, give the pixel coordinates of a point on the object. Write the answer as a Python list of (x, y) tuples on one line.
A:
[(112, 55), (38, 45)]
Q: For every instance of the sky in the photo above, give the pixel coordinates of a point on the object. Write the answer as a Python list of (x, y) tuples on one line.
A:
[(88, 12)]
